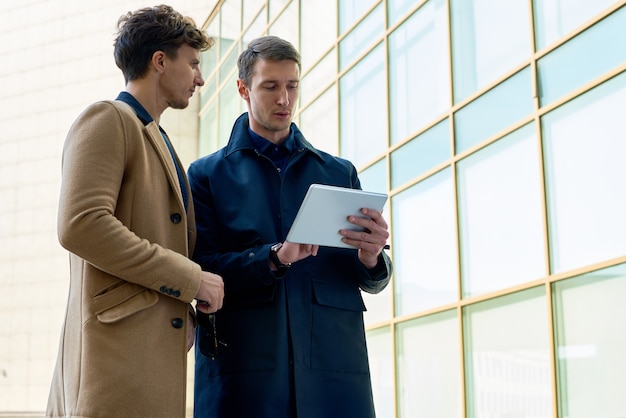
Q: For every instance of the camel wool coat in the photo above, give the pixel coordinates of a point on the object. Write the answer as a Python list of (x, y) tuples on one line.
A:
[(123, 347)]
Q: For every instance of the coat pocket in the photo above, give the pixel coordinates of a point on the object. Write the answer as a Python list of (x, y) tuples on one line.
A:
[(122, 301), (338, 333)]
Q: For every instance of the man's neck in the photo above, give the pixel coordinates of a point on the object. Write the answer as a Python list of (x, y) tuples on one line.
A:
[(146, 95)]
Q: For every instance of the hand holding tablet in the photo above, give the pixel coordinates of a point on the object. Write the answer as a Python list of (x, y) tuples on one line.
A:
[(325, 210)]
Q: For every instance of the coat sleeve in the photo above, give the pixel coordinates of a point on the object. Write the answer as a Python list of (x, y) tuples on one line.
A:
[(95, 158)]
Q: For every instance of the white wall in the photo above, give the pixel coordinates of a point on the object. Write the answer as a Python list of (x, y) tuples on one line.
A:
[(56, 58)]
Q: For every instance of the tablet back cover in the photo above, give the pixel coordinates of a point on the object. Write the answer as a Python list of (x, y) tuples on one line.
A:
[(324, 211)]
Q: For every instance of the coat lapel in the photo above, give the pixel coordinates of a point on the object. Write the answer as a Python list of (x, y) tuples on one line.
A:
[(158, 142)]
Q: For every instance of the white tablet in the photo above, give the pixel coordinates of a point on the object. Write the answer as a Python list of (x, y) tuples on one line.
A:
[(324, 211)]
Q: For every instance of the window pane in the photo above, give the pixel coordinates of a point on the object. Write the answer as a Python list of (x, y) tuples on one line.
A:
[(286, 26), (489, 38), (229, 64), (582, 59), (361, 38), (256, 29), (363, 113), (374, 178), (208, 64), (319, 77), (424, 245), (508, 357), (230, 108), (556, 18), (500, 212), (230, 20), (591, 364), (428, 367), (275, 6), (380, 353), (317, 34), (584, 151), (397, 8), (323, 136), (207, 132), (502, 106), (350, 11), (419, 67), (421, 154), (250, 10)]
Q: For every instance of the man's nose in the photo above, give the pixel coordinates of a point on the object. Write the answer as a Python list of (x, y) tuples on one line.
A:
[(283, 97)]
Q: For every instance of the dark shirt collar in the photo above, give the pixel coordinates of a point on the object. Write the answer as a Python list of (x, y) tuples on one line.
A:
[(141, 111), (262, 144)]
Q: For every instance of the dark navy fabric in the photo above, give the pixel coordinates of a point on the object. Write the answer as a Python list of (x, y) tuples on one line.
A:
[(296, 343)]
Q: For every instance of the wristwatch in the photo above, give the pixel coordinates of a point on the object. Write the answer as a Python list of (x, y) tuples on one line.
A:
[(281, 267)]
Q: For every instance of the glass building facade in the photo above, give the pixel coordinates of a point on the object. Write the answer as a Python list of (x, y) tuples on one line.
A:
[(497, 128)]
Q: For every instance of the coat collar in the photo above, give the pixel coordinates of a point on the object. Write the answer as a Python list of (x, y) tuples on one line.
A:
[(240, 139)]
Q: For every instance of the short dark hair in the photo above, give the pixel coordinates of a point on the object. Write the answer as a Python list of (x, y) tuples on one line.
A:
[(145, 31), (270, 48)]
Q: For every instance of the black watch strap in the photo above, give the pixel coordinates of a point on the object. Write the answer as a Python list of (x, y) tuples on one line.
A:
[(274, 257)]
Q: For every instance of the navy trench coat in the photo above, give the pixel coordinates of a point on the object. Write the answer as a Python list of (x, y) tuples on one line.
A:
[(295, 343)]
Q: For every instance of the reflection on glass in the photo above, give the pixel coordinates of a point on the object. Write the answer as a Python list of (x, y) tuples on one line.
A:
[(424, 245), (590, 316), (317, 35), (419, 70), (397, 8), (583, 58), (350, 11), (428, 364), (230, 108), (230, 21), (556, 18), (380, 353), (208, 64), (584, 153), (489, 38), (230, 63), (275, 6), (256, 29), (495, 110), (362, 37), (324, 136), (374, 178), (363, 109), (507, 357), (286, 26), (501, 223), (421, 154), (319, 77), (207, 130), (251, 9)]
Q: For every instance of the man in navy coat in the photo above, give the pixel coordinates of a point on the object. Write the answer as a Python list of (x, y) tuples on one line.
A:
[(289, 341)]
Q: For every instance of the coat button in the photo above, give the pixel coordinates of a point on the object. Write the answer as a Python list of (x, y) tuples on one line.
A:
[(177, 323), (176, 218)]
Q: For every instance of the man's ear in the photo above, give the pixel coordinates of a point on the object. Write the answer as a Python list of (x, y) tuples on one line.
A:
[(158, 61), (243, 90)]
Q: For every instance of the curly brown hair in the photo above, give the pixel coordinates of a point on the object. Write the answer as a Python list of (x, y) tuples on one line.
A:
[(145, 31)]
